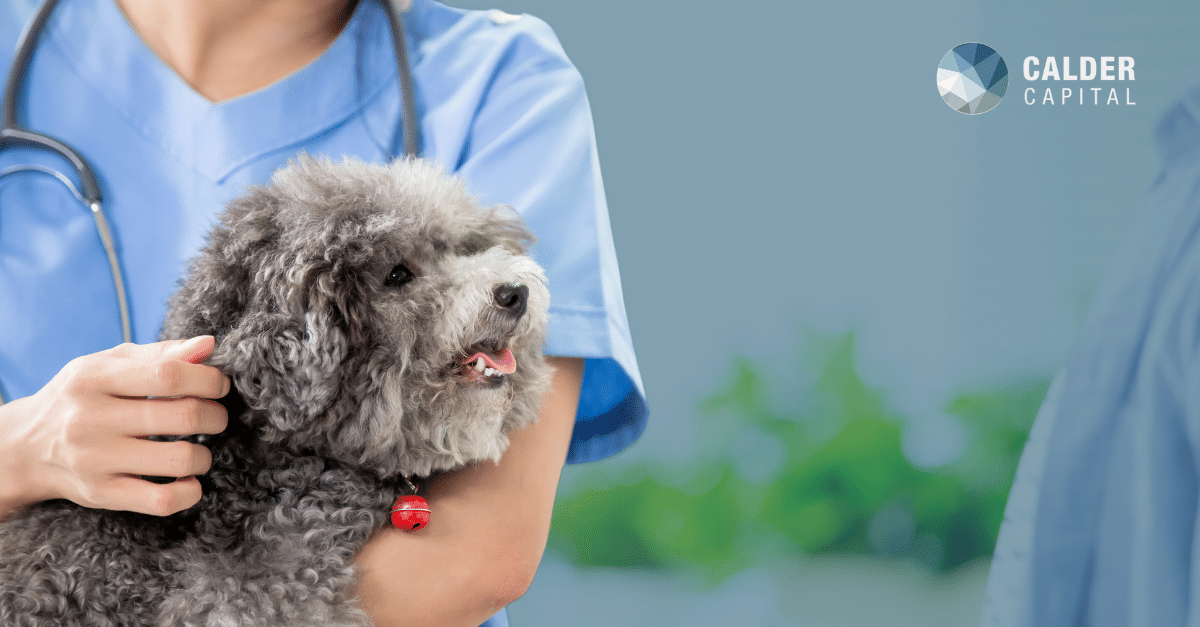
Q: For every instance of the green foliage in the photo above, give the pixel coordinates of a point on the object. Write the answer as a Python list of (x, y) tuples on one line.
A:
[(842, 484)]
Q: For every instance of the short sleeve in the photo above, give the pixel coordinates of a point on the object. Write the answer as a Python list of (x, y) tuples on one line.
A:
[(530, 144)]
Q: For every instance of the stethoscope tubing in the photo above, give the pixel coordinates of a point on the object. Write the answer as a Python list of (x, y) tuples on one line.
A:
[(12, 134), (412, 128)]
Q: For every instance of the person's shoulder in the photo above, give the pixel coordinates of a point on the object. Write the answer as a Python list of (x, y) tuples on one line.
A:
[(490, 38)]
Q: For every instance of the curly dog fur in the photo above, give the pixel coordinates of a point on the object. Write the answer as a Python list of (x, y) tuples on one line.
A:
[(345, 299)]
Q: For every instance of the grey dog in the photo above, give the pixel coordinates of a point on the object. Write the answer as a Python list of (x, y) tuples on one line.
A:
[(359, 311)]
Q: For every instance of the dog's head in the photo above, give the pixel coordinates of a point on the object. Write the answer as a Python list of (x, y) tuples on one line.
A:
[(374, 314)]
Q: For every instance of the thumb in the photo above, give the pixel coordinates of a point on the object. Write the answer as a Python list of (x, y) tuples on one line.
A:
[(192, 351)]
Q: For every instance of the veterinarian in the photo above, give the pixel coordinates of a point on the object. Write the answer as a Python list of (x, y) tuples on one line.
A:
[(1100, 526), (178, 106)]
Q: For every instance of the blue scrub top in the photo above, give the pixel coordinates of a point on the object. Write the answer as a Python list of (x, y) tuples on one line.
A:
[(1100, 526), (499, 104)]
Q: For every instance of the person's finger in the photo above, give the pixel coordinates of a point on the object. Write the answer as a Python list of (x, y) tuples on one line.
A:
[(148, 372), (192, 351), (138, 495), (168, 416), (195, 351), (135, 456), (164, 377)]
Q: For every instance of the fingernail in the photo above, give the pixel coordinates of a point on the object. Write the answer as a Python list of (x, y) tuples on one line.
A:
[(190, 344), (191, 352)]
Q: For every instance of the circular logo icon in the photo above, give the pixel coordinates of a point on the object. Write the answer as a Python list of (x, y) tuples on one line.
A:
[(972, 78)]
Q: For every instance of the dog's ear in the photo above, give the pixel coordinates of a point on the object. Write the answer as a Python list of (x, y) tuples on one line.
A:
[(286, 367), (278, 318), (288, 353)]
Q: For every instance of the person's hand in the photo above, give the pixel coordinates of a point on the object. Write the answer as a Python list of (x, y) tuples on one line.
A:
[(82, 436)]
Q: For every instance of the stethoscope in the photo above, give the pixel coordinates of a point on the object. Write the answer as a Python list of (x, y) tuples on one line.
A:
[(12, 134)]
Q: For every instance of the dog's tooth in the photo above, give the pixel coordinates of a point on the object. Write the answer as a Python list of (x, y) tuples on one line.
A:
[(480, 365), (489, 372)]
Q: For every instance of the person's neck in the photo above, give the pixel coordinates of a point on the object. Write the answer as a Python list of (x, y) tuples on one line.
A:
[(227, 48)]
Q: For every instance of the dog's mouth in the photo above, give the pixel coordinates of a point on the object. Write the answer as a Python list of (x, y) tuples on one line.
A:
[(487, 365)]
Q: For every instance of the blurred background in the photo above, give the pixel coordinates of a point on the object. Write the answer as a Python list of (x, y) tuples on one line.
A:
[(847, 299)]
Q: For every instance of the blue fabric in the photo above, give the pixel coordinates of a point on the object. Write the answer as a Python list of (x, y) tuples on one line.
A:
[(499, 103), (1100, 525)]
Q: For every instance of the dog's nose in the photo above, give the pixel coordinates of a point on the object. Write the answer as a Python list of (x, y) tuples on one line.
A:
[(512, 298)]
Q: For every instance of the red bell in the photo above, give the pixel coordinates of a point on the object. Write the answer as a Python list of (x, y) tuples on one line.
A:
[(410, 512)]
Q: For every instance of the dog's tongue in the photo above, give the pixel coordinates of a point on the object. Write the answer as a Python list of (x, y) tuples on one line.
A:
[(502, 361)]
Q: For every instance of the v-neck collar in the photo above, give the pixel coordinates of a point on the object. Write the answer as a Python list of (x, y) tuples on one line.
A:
[(217, 138)]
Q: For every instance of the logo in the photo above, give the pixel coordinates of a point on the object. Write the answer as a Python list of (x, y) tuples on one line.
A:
[(972, 78), (1080, 91)]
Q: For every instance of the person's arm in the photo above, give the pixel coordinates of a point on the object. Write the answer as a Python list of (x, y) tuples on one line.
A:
[(487, 530), (78, 437)]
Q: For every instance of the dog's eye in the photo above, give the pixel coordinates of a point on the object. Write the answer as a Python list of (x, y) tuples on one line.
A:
[(399, 277)]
